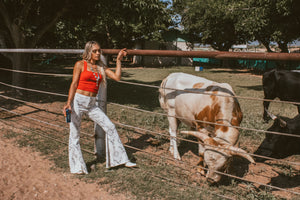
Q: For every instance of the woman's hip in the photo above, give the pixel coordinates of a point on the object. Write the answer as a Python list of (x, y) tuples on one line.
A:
[(84, 101)]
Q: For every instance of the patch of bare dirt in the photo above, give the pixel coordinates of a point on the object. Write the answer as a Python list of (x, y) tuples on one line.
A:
[(25, 174)]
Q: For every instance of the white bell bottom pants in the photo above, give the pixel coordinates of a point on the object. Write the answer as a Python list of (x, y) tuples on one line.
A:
[(115, 151)]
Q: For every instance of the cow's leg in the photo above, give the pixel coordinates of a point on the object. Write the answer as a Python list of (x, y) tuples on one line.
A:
[(266, 107), (201, 164), (201, 149), (173, 125)]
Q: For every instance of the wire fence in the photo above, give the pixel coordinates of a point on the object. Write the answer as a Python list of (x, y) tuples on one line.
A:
[(189, 91), (151, 86), (190, 166), (145, 130), (142, 130)]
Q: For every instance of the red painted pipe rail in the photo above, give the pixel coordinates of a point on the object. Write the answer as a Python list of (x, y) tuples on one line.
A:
[(174, 53), (211, 54)]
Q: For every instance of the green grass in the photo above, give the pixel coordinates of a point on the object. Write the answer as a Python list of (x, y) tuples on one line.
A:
[(156, 177)]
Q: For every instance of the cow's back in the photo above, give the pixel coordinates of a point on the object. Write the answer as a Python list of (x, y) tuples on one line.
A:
[(181, 81), (174, 84), (192, 95), (288, 84), (282, 84)]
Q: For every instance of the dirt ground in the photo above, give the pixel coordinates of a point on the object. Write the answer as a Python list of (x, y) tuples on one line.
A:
[(25, 174)]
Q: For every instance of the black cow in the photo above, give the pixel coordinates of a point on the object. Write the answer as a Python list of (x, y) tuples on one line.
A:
[(282, 84), (281, 146)]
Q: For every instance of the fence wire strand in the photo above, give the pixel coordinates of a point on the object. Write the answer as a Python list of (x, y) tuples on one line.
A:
[(146, 130), (168, 136), (166, 158), (206, 122), (158, 87), (148, 153), (93, 153)]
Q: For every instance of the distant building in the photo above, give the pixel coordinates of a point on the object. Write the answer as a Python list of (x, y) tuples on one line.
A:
[(239, 47)]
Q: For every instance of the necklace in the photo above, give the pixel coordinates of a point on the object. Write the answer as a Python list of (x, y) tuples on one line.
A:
[(96, 77)]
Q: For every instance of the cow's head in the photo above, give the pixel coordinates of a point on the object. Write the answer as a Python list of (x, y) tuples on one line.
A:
[(268, 145), (280, 146), (217, 155), (279, 125)]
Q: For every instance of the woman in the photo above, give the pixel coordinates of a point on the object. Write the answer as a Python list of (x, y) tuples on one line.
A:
[(87, 76)]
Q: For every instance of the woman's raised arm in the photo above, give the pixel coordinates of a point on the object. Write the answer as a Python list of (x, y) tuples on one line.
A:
[(117, 74)]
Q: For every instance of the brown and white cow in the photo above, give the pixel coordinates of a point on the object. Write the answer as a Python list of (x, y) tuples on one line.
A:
[(187, 98)]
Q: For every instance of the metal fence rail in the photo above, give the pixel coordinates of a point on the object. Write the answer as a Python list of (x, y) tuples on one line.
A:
[(174, 53)]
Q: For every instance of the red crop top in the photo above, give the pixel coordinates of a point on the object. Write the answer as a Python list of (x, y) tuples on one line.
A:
[(87, 81)]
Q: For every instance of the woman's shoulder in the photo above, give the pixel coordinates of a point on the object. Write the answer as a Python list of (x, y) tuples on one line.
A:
[(79, 64)]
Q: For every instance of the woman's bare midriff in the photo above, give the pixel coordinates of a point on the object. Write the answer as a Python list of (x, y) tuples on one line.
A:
[(86, 93)]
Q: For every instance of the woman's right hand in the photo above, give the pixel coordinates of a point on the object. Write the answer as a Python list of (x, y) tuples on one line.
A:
[(67, 107), (121, 54)]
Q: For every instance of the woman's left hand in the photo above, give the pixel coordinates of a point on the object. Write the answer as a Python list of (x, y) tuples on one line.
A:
[(66, 107), (121, 54)]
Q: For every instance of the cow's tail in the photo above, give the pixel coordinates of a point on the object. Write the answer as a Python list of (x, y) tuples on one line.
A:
[(162, 94)]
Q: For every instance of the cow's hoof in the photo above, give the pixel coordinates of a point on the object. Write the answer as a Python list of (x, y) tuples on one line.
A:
[(171, 149), (211, 182), (201, 171), (178, 158)]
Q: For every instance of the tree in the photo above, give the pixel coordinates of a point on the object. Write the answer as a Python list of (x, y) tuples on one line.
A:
[(69, 24), (223, 23), (23, 23), (115, 24), (288, 23), (209, 22), (134, 20), (269, 20)]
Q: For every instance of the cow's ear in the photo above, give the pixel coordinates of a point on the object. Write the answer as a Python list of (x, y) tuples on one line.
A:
[(211, 142), (282, 123), (240, 152), (197, 134)]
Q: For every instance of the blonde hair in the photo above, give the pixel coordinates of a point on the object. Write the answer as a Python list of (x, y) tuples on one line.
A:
[(87, 53), (87, 56)]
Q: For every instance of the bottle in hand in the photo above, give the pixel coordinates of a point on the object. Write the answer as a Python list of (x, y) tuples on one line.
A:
[(68, 116)]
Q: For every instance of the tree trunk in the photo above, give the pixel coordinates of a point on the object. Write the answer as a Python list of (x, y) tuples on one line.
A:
[(15, 24), (21, 61), (283, 46), (267, 45)]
